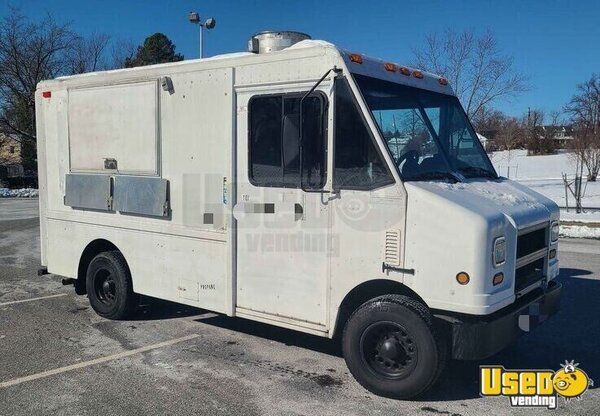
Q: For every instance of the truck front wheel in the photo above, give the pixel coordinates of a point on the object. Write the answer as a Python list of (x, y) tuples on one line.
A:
[(392, 348), (109, 287)]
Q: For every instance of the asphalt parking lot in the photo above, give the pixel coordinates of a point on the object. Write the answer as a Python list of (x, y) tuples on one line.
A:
[(58, 357)]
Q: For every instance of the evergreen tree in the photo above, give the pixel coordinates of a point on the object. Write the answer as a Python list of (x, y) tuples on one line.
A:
[(156, 49)]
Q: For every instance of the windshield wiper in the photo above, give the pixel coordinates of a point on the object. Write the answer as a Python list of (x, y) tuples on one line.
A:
[(428, 176), (475, 171)]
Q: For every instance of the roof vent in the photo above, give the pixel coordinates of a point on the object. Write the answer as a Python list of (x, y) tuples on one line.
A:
[(272, 41)]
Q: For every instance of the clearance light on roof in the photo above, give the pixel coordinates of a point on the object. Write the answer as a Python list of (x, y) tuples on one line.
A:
[(390, 67), (356, 58), (47, 94), (418, 74), (443, 81), (405, 71)]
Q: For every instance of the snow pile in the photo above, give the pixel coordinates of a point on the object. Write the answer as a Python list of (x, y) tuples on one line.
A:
[(583, 217), (18, 193), (502, 193), (311, 43), (579, 231)]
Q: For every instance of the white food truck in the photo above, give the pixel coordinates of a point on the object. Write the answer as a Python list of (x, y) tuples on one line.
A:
[(299, 185)]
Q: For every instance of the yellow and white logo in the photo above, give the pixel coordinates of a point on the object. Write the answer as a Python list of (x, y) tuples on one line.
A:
[(534, 388)]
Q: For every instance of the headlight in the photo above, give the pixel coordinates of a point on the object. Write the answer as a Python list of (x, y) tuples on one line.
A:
[(499, 251), (554, 230)]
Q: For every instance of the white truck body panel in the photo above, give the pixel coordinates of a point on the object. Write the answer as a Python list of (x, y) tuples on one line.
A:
[(272, 267), (129, 112)]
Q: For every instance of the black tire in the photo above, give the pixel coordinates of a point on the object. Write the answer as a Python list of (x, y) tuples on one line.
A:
[(392, 348), (109, 287)]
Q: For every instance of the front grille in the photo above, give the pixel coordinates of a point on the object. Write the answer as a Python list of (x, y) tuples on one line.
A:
[(531, 242), (529, 274), (532, 251)]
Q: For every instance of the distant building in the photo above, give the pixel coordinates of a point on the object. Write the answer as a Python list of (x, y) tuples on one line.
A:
[(11, 161), (561, 134)]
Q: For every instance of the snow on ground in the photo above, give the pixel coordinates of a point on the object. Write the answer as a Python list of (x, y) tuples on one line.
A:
[(18, 193), (533, 167), (555, 190), (579, 231), (543, 174)]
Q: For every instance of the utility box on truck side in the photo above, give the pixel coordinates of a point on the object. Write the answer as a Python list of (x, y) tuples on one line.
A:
[(302, 186)]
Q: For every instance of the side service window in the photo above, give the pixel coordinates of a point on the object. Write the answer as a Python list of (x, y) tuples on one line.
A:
[(358, 161), (275, 143)]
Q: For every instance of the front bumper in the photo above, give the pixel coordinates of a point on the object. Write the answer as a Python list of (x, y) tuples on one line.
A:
[(478, 337)]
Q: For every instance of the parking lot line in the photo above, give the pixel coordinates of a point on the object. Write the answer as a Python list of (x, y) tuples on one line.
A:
[(43, 374), (32, 299)]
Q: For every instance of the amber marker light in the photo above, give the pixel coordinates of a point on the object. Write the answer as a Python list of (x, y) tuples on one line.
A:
[(443, 81), (463, 278), (390, 67), (356, 58), (498, 278), (418, 74), (405, 71)]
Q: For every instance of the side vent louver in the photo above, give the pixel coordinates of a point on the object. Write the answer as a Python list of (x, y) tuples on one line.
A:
[(392, 247)]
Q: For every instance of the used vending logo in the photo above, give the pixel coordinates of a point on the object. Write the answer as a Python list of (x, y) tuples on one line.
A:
[(534, 388)]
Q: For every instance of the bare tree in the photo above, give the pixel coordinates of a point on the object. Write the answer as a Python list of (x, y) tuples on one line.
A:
[(88, 54), (585, 151), (123, 51), (476, 68), (503, 133), (532, 122), (540, 138), (509, 137), (488, 120), (29, 53), (584, 109)]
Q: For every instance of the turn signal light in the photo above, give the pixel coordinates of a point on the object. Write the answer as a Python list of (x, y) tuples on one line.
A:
[(418, 74), (463, 278), (390, 67), (498, 278), (356, 58), (405, 71), (443, 81)]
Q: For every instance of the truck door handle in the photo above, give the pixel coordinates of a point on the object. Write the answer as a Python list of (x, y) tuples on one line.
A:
[(298, 212)]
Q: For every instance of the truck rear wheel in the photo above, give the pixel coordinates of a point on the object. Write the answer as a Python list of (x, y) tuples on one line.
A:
[(392, 348), (109, 287)]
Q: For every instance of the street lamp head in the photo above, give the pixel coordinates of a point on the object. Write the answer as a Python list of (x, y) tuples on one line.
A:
[(210, 23), (194, 17)]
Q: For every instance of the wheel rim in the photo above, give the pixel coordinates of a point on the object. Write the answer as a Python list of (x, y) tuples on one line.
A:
[(105, 287), (388, 350)]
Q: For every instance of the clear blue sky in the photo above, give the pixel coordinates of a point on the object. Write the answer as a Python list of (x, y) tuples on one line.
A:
[(555, 42)]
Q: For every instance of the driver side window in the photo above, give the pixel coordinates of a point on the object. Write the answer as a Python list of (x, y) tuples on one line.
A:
[(358, 160)]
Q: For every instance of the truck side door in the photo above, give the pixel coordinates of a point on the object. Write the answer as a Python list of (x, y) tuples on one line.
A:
[(282, 218)]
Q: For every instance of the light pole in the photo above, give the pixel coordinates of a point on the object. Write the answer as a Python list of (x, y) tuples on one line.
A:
[(194, 17)]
